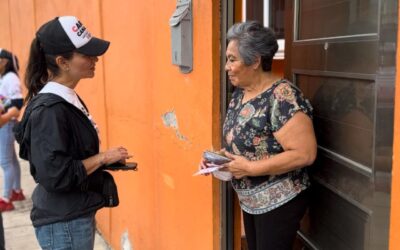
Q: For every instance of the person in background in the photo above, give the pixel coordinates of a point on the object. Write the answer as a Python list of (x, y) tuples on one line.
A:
[(10, 103), (59, 137), (268, 135)]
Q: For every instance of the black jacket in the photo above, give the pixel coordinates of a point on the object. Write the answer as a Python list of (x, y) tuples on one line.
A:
[(55, 137)]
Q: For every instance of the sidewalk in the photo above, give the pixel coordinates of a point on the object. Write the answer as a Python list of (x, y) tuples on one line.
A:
[(18, 229)]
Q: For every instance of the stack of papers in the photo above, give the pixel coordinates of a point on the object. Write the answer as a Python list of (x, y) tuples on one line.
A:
[(215, 162), (208, 170), (216, 172)]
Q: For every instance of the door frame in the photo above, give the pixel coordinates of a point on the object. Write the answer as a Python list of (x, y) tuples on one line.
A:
[(230, 209)]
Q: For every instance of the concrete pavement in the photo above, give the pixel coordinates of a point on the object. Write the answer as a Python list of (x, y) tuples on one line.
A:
[(18, 229)]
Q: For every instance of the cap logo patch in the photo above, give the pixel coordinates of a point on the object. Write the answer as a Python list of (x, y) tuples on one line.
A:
[(81, 30), (75, 30)]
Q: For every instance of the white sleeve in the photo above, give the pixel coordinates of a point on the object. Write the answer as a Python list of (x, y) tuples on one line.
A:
[(11, 86)]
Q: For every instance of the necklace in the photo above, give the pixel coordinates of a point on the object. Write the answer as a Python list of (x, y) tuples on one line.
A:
[(265, 86), (89, 116)]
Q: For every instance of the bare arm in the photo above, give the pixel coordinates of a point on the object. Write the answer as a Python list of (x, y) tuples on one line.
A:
[(110, 156), (300, 148)]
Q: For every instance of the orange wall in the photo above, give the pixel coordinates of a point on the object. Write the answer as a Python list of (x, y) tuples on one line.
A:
[(394, 237), (162, 206), (168, 208)]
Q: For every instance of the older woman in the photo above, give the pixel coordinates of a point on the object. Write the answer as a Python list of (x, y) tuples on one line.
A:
[(269, 136)]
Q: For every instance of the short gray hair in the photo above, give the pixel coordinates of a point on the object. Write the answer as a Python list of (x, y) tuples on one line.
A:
[(254, 40)]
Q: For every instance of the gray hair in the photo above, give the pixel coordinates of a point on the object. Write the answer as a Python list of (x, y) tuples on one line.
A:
[(254, 40)]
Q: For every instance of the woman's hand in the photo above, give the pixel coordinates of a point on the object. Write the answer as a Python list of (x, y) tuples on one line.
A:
[(105, 158), (203, 165), (13, 112), (239, 166), (114, 155), (6, 117)]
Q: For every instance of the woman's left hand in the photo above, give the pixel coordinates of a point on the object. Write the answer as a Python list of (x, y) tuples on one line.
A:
[(239, 166)]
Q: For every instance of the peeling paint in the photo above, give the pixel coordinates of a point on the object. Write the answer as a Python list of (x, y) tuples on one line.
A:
[(169, 181), (125, 242), (170, 120)]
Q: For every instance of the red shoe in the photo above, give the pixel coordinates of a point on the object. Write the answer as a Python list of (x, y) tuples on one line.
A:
[(17, 196), (6, 206)]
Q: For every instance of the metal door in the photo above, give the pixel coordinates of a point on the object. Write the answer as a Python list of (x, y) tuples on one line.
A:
[(342, 55)]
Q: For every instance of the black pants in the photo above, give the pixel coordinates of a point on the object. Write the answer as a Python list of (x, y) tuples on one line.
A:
[(276, 230)]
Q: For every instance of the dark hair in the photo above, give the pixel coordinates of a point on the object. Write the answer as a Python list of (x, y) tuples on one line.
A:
[(254, 40), (40, 68), (12, 64)]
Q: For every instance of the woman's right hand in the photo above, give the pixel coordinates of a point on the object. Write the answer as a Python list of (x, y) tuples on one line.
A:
[(117, 154), (203, 165)]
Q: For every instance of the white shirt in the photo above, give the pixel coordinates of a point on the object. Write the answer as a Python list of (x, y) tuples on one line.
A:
[(10, 86), (70, 96)]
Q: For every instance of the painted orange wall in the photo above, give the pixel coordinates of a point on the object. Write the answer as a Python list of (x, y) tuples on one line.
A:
[(162, 206), (167, 207), (394, 237), (16, 33)]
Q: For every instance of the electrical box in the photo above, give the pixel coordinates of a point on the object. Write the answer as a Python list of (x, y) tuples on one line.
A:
[(182, 36)]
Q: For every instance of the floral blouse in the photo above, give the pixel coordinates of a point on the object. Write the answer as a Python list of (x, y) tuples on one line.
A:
[(248, 131)]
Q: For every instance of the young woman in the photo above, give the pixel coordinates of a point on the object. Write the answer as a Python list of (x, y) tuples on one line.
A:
[(11, 99), (59, 137)]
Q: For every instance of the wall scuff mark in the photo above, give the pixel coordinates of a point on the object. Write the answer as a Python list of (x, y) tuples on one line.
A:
[(170, 120), (125, 242), (168, 180)]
